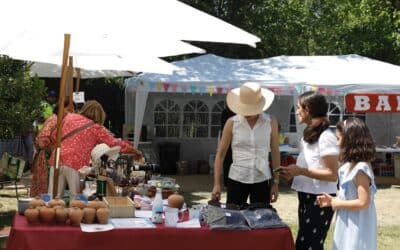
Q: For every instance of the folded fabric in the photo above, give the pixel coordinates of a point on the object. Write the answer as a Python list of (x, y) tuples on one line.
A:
[(262, 218), (225, 219)]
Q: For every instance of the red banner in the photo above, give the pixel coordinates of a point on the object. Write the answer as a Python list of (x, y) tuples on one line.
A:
[(372, 102)]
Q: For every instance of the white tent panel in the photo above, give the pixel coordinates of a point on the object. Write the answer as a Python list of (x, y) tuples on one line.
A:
[(347, 73)]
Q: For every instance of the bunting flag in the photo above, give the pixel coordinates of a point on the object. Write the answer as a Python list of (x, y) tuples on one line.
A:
[(329, 91), (166, 86), (174, 87), (322, 91), (193, 89), (220, 90), (152, 86), (159, 86), (184, 88), (210, 90), (202, 89), (314, 88), (299, 89)]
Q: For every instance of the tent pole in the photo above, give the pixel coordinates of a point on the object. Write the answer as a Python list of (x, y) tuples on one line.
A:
[(67, 39)]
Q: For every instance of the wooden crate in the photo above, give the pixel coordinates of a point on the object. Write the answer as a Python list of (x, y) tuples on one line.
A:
[(120, 207)]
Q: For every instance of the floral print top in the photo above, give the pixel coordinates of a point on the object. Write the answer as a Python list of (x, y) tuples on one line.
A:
[(76, 149)]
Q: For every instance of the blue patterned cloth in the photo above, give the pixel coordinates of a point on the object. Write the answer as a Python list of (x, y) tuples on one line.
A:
[(355, 229)]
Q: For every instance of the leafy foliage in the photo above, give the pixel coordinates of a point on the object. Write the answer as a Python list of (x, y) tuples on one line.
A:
[(20, 98), (310, 27)]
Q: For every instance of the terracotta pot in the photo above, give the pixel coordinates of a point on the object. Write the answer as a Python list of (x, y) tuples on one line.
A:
[(89, 215), (56, 202), (175, 201), (75, 216), (32, 215), (36, 202), (77, 203), (47, 215), (61, 215), (103, 214)]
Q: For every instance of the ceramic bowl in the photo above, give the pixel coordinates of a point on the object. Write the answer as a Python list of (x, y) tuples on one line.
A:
[(23, 204)]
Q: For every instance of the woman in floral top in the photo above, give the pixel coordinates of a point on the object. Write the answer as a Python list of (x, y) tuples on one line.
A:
[(75, 149)]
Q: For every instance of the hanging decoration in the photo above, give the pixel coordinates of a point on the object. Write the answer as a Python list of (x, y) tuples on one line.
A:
[(219, 90), (159, 86), (211, 90), (193, 89), (174, 87), (166, 86)]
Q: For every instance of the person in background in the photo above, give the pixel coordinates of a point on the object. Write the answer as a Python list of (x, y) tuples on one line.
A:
[(315, 170), (47, 109), (252, 135), (356, 223), (79, 136), (44, 146), (225, 115)]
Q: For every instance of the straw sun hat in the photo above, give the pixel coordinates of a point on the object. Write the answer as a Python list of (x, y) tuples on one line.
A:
[(249, 99), (102, 149)]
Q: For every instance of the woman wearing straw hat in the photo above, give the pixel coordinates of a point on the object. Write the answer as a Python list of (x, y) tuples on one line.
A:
[(252, 135)]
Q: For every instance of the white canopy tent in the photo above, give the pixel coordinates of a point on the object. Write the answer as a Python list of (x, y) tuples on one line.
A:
[(48, 70), (287, 75)]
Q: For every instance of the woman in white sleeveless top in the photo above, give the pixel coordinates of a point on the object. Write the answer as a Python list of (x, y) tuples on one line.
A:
[(315, 171), (252, 135)]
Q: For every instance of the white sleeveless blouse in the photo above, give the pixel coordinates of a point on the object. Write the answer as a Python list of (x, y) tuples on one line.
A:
[(250, 150)]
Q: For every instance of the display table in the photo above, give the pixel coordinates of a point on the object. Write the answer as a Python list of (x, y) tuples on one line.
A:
[(25, 237)]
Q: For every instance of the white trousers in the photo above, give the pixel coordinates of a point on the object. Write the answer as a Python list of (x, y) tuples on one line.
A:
[(66, 176)]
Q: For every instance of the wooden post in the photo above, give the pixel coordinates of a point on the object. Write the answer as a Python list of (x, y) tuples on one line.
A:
[(61, 98), (78, 79), (70, 78)]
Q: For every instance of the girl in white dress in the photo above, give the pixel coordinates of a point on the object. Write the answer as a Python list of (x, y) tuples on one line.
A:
[(356, 226)]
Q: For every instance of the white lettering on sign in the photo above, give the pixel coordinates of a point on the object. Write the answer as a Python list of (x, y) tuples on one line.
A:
[(361, 103), (383, 102)]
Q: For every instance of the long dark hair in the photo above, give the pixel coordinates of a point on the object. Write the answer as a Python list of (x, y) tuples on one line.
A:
[(357, 143), (317, 107)]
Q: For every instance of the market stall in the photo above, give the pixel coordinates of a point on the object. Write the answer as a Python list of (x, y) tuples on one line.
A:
[(24, 236)]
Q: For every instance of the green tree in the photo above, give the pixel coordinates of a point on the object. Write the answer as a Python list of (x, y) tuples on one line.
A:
[(310, 27), (20, 98)]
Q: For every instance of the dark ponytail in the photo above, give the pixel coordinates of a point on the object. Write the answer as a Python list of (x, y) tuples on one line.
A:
[(317, 107)]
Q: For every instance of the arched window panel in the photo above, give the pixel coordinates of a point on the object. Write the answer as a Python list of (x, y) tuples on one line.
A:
[(216, 118), (166, 119), (292, 120), (195, 119), (334, 114)]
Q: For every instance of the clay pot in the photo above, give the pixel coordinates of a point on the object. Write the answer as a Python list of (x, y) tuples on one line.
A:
[(57, 202), (176, 201), (75, 216), (32, 215), (77, 203), (47, 215), (36, 202), (89, 215), (102, 215), (61, 215), (96, 204)]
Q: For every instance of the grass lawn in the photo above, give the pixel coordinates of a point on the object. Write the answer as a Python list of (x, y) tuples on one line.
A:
[(197, 189)]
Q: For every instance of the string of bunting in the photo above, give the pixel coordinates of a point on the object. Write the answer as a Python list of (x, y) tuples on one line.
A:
[(215, 90)]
